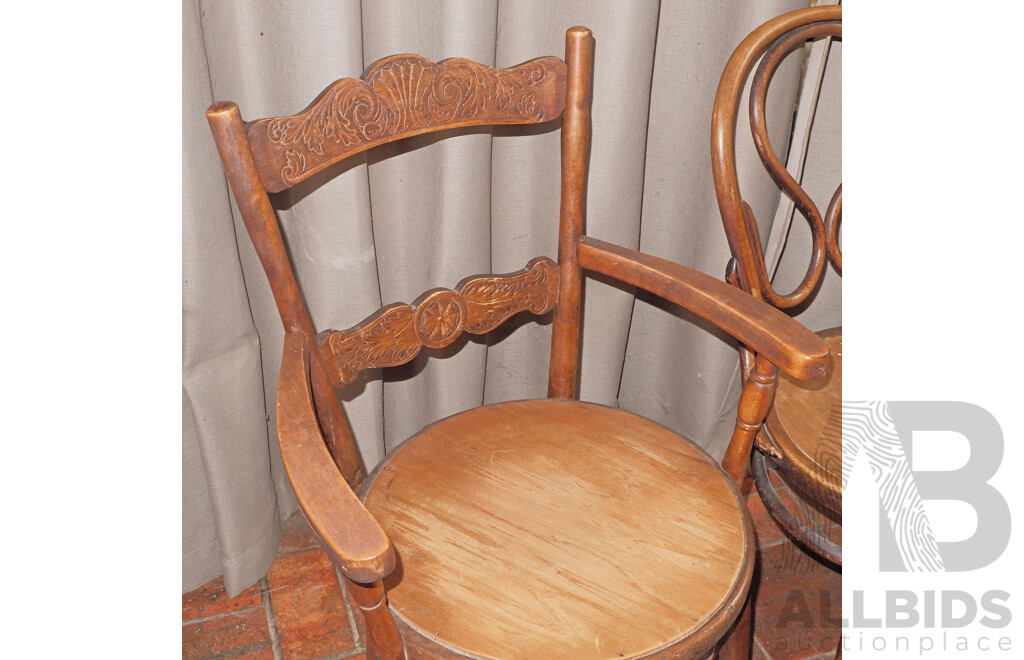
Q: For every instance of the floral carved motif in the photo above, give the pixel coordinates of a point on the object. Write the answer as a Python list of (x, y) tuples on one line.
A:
[(491, 300), (397, 333), (398, 97), (440, 318)]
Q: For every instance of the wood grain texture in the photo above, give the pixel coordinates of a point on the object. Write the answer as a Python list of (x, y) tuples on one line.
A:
[(396, 334), (783, 341), (798, 423), (541, 529), (562, 529), (398, 97), (353, 539)]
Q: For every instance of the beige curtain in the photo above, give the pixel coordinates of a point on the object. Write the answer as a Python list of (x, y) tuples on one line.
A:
[(428, 212)]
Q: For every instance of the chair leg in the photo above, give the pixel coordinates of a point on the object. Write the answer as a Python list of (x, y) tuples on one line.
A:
[(383, 639), (738, 642)]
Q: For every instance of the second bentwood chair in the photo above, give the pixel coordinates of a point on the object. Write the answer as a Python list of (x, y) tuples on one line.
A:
[(550, 528), (803, 430)]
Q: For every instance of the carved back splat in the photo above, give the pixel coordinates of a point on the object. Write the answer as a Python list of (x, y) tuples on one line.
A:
[(398, 97), (396, 333)]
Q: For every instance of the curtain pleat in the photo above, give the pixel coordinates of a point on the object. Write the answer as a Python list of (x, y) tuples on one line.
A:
[(678, 369), (230, 516), (431, 209), (426, 212)]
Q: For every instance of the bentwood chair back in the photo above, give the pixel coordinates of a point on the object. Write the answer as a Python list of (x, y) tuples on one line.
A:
[(802, 432)]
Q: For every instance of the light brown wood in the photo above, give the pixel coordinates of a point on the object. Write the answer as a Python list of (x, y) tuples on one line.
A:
[(355, 541), (563, 370), (518, 528), (398, 97), (755, 400), (815, 26), (797, 422), (781, 340), (383, 638), (799, 434), (395, 334), (808, 455), (240, 166), (833, 216), (766, 47)]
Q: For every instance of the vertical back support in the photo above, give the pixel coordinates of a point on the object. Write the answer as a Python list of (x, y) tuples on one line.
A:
[(261, 223), (563, 375)]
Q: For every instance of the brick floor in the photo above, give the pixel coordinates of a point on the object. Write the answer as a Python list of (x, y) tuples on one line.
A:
[(300, 610), (798, 598)]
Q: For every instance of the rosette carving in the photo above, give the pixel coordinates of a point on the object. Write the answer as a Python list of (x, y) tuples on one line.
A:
[(396, 334), (440, 318), (399, 97)]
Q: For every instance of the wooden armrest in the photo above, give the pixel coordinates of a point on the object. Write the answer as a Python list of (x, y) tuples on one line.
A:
[(756, 324), (352, 537)]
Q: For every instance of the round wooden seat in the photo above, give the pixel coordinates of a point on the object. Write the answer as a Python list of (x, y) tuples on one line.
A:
[(805, 424), (560, 529)]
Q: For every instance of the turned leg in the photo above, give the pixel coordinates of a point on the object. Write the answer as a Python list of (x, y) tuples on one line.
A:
[(383, 642), (755, 400), (738, 642)]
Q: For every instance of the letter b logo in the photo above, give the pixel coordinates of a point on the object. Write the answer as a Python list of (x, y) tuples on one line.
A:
[(883, 431)]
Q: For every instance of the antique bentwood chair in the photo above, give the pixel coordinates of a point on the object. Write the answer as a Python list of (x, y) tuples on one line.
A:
[(542, 529), (802, 432)]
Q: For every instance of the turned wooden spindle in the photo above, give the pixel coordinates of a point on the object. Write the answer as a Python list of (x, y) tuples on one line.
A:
[(383, 642), (754, 403)]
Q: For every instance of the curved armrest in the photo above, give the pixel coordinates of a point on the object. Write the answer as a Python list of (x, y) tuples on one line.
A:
[(352, 537), (759, 326)]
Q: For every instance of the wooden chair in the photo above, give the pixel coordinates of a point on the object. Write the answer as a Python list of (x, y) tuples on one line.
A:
[(542, 529), (802, 432)]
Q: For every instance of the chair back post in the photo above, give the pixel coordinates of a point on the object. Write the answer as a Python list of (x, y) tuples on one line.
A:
[(236, 154), (563, 375)]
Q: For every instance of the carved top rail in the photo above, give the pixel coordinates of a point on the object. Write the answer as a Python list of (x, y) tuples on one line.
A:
[(398, 97), (774, 40), (395, 334)]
